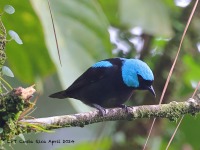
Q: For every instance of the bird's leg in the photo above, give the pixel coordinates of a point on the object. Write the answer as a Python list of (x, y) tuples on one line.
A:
[(123, 106), (102, 110)]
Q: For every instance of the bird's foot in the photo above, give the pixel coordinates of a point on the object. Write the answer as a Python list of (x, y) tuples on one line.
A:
[(102, 110), (123, 106), (130, 116)]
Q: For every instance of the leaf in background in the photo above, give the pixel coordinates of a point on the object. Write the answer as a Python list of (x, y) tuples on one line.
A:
[(9, 9), (21, 136), (153, 17), (190, 129), (15, 36), (31, 59), (1, 130), (6, 71), (111, 10), (193, 71), (83, 37)]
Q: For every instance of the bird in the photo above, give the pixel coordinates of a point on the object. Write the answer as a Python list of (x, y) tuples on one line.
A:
[(110, 83)]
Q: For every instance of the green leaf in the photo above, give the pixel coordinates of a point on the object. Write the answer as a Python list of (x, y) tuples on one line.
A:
[(190, 129), (111, 10), (192, 68), (151, 15), (30, 60), (21, 136), (1, 130), (9, 9), (82, 31), (6, 71), (15, 36)]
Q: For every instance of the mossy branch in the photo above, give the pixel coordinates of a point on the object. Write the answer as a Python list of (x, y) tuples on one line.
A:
[(172, 111), (12, 105)]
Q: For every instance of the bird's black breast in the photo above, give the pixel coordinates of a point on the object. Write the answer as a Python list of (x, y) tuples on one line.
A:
[(101, 85)]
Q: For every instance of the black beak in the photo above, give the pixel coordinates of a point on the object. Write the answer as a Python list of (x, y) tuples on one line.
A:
[(150, 88)]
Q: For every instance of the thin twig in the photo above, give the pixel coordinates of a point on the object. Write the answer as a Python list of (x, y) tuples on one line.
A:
[(151, 128), (172, 137), (172, 68), (54, 30)]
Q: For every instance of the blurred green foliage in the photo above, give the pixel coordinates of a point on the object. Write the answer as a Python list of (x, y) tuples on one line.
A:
[(30, 60)]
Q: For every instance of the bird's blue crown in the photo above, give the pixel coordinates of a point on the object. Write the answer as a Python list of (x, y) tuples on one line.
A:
[(102, 64), (131, 68)]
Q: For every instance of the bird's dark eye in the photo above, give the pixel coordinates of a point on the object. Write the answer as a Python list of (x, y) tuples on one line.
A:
[(143, 82)]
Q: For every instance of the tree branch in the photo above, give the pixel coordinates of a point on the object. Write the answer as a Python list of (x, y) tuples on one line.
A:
[(172, 111), (12, 104)]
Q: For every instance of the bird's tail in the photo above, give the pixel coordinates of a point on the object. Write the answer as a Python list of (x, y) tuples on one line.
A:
[(60, 95)]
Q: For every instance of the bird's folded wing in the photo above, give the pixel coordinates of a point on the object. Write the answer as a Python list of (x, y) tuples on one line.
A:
[(91, 76)]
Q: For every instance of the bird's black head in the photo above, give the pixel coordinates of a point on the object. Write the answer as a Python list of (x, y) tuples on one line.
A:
[(137, 74), (146, 85)]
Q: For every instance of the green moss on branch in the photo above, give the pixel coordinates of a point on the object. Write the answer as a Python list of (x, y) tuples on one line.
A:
[(172, 111), (12, 105)]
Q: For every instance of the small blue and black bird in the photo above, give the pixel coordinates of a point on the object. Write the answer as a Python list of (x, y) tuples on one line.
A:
[(109, 83)]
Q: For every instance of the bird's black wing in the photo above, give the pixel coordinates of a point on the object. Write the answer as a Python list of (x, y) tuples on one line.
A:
[(91, 76)]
